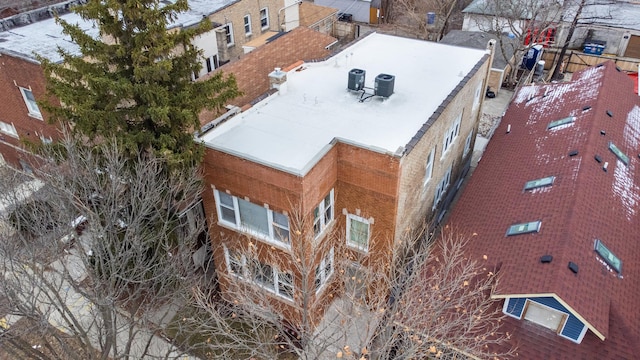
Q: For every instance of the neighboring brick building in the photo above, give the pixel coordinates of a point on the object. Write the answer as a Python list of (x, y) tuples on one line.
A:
[(252, 70), (316, 160), (21, 119), (245, 25), (554, 206), (22, 83)]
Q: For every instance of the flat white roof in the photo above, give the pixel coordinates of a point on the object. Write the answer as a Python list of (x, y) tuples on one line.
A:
[(292, 131), (45, 36)]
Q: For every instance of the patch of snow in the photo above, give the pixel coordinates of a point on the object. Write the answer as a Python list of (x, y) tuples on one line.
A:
[(625, 189)]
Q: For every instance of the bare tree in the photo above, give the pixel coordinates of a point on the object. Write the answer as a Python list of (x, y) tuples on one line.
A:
[(106, 293), (410, 17), (523, 21), (429, 301)]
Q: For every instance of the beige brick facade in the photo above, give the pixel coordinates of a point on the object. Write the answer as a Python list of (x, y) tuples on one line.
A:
[(234, 15)]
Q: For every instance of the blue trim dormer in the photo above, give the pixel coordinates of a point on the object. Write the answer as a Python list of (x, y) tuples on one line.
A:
[(569, 326)]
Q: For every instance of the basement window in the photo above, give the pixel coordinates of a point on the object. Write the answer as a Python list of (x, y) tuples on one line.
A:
[(524, 228), (610, 258), (533, 184), (614, 149), (561, 122)]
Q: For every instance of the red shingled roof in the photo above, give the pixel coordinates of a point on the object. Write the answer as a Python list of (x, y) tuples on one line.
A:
[(583, 204)]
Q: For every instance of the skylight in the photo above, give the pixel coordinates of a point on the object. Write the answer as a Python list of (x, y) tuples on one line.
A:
[(524, 228), (560, 122), (614, 149), (608, 256), (546, 181)]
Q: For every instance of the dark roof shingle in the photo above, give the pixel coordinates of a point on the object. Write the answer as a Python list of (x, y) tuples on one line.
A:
[(584, 203)]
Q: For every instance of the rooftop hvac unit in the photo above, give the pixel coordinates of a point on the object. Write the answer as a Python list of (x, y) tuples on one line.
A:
[(384, 85), (356, 79)]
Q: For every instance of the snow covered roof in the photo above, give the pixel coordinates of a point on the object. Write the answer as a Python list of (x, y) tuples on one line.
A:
[(291, 131), (45, 36)]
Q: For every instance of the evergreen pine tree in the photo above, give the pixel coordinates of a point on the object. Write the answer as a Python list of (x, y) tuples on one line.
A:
[(134, 83)]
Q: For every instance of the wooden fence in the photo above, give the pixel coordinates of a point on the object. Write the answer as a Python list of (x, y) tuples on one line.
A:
[(577, 60)]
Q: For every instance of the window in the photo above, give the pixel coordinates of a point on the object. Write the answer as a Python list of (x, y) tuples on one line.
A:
[(442, 187), (31, 103), (228, 29), (212, 63), (357, 232), (270, 278), (323, 214), (476, 97), (324, 270), (257, 220), (451, 134), (557, 123), (545, 316), (524, 228), (429, 168), (467, 144), (547, 181), (247, 25), (610, 258), (264, 18), (261, 274), (619, 154), (236, 263), (8, 129)]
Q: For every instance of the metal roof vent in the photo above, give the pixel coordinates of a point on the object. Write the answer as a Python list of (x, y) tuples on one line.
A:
[(545, 259), (573, 267), (356, 79), (384, 85), (598, 158), (609, 113)]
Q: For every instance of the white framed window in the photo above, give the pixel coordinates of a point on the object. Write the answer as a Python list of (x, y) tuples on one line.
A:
[(429, 168), (228, 29), (31, 103), (247, 25), (476, 97), (324, 271), (467, 144), (258, 221), (451, 134), (442, 187), (264, 275), (236, 263), (270, 278), (323, 214), (358, 233), (8, 129), (543, 315), (211, 63), (264, 18)]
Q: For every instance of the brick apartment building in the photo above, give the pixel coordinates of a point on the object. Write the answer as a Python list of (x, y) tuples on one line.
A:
[(317, 173)]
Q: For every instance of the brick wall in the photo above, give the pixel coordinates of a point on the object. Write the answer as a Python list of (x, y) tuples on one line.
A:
[(364, 183), (415, 199), (235, 14), (251, 71), (16, 72)]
